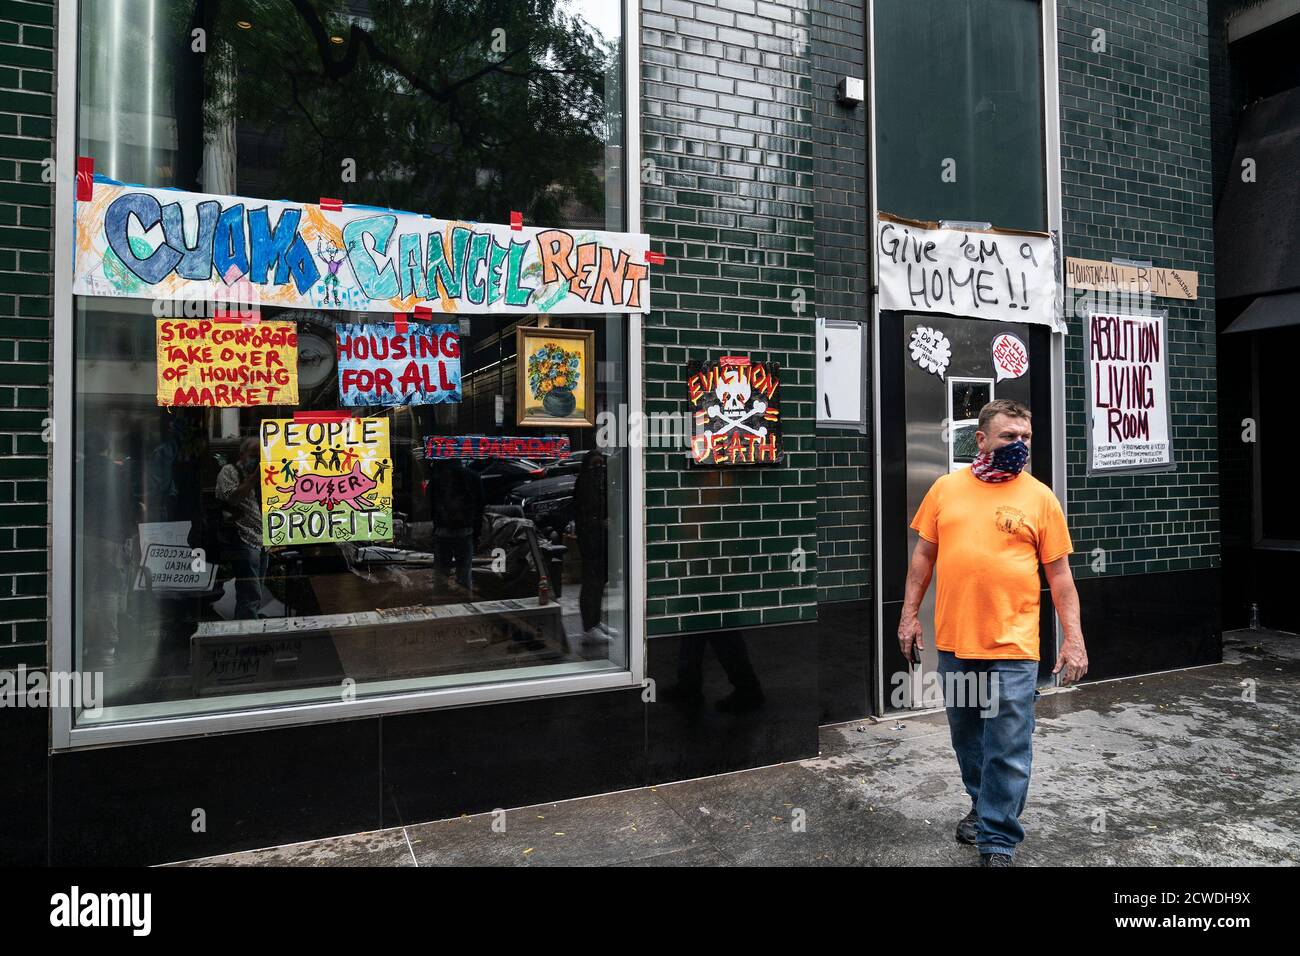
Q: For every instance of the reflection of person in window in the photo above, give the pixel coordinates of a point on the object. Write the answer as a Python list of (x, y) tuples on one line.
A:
[(591, 515), (111, 514), (241, 528), (456, 505)]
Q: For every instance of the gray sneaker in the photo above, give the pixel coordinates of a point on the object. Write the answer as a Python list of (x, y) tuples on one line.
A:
[(966, 828)]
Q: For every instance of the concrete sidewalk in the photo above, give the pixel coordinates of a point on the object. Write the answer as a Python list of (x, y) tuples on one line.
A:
[(1172, 769)]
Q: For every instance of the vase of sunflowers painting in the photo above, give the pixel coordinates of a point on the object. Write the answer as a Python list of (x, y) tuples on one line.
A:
[(553, 373), (555, 376)]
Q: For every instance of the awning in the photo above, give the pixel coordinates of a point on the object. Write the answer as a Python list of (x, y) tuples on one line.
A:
[(1268, 312), (1257, 245)]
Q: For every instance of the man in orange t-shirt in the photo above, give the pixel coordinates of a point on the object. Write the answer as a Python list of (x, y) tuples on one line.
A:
[(984, 530)]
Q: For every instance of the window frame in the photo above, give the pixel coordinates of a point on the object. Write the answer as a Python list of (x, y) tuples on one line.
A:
[(64, 735)]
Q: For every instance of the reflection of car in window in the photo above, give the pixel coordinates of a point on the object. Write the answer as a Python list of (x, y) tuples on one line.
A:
[(565, 466), (962, 448), (548, 502), (501, 475)]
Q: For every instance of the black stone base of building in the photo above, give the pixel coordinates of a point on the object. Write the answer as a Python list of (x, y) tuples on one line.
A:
[(846, 644), (1142, 623), (723, 701)]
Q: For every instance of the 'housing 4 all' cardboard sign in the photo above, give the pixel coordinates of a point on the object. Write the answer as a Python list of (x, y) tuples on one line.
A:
[(324, 481), (736, 412)]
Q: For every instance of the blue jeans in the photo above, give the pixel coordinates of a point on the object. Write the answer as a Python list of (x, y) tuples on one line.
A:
[(994, 742)]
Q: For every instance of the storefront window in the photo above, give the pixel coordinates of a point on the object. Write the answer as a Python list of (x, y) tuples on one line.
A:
[(499, 564)]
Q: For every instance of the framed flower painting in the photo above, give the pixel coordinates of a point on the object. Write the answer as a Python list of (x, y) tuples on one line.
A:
[(555, 380)]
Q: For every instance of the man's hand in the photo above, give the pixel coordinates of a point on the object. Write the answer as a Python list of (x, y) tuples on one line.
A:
[(918, 579), (1072, 662), (909, 633)]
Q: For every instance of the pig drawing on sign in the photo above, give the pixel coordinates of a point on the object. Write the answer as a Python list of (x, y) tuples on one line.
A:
[(330, 490)]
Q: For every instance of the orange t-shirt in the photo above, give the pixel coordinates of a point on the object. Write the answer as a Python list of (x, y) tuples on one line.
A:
[(991, 537)]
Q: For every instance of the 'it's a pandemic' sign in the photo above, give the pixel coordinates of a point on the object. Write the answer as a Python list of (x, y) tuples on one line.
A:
[(145, 243)]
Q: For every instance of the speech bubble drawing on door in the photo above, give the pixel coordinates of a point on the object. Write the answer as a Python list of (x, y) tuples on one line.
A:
[(1010, 357), (931, 350)]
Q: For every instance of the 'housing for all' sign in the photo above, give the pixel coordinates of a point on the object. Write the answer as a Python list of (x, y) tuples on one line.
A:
[(1128, 396)]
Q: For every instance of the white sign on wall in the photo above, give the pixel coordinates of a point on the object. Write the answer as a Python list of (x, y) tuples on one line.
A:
[(840, 374), (1128, 393), (980, 273)]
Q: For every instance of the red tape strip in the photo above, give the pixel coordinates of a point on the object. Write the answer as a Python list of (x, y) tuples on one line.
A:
[(399, 320), (85, 178), (333, 205), (654, 258), (516, 220)]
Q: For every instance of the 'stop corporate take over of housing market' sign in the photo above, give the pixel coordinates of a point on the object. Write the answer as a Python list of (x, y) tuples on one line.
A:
[(145, 243)]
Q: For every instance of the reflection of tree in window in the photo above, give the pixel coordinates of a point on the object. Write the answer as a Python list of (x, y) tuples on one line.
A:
[(440, 111)]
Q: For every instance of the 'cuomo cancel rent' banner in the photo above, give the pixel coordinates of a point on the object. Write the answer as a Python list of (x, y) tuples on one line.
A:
[(144, 243), (1128, 399)]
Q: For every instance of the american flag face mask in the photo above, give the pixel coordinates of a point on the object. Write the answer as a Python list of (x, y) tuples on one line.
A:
[(1001, 464)]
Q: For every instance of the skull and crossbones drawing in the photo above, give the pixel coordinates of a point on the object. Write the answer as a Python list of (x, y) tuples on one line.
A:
[(733, 394)]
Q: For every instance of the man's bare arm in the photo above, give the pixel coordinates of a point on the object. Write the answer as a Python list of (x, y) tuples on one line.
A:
[(1073, 659), (918, 579)]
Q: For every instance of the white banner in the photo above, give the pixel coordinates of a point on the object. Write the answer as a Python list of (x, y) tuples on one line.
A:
[(167, 244), (983, 274), (1128, 393)]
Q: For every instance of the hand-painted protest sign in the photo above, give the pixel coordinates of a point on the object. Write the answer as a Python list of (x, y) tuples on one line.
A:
[(983, 274), (1010, 357), (736, 412), (227, 364), (1128, 394), (384, 365), (441, 447), (326, 481), (1098, 276), (135, 242)]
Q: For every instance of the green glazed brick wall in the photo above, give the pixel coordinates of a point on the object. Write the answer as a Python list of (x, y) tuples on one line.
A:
[(726, 120), (1136, 177), (26, 138), (844, 519)]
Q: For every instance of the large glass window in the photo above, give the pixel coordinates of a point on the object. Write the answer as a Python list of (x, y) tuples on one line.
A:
[(959, 111), (497, 568)]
